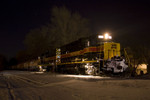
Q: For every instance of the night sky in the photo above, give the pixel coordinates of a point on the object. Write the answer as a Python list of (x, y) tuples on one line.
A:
[(128, 19)]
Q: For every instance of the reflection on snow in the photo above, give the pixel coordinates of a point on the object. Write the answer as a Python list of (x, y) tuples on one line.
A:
[(85, 76)]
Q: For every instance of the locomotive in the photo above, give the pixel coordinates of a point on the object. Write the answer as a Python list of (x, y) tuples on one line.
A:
[(91, 55)]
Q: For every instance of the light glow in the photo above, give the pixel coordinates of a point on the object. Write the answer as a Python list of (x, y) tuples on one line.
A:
[(100, 36), (84, 76), (110, 37), (106, 36)]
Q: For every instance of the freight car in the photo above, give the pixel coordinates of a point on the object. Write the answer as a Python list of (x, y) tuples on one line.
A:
[(28, 65), (90, 55)]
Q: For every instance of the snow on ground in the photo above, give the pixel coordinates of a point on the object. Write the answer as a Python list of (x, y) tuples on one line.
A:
[(23, 85)]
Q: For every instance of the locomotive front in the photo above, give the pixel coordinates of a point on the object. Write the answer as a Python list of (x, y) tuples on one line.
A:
[(108, 57)]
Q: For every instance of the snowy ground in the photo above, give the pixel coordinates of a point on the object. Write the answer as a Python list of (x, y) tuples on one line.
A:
[(22, 85)]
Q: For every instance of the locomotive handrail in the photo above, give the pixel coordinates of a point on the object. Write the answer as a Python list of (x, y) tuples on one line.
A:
[(127, 57)]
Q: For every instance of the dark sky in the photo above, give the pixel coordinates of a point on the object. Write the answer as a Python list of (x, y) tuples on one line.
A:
[(121, 18)]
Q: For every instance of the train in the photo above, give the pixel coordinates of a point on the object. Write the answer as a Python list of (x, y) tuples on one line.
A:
[(91, 56)]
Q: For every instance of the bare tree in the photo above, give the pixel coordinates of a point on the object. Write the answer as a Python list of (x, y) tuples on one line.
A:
[(64, 28), (37, 41), (67, 26)]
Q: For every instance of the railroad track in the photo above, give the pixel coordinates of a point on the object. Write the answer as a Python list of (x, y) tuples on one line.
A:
[(10, 89), (33, 83), (40, 84)]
